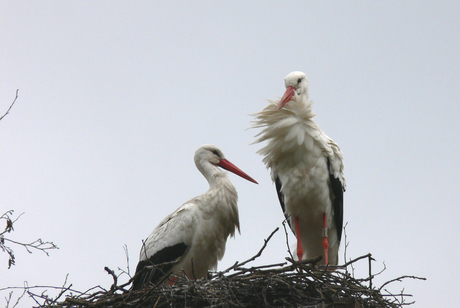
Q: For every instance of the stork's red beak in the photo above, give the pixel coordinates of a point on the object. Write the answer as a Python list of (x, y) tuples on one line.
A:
[(232, 168), (290, 92)]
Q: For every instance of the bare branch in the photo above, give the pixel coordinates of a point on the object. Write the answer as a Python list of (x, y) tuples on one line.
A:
[(400, 279), (11, 106), (38, 244), (125, 247), (237, 264), (261, 249), (287, 239), (113, 287)]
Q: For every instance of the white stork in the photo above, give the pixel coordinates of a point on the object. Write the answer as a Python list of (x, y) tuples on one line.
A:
[(307, 168), (192, 239)]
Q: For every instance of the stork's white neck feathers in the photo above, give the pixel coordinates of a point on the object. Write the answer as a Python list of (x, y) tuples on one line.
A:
[(221, 195), (285, 130), (224, 198)]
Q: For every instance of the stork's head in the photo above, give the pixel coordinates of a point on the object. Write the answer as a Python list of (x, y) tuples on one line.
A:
[(296, 89), (211, 154)]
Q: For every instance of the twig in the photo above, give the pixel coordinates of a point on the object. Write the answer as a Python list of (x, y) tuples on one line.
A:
[(237, 264), (42, 287), (9, 222), (346, 243), (261, 249), (370, 270), (64, 289), (312, 261), (357, 259), (115, 278), (287, 239), (11, 106), (400, 279), (125, 247), (37, 244)]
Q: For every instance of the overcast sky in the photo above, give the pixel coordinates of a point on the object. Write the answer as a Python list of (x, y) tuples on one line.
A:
[(116, 96)]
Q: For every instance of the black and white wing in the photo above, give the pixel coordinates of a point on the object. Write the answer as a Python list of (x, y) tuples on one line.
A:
[(278, 186), (337, 192), (165, 246)]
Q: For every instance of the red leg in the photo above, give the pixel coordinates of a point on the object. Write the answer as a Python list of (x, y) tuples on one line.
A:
[(299, 242), (325, 241)]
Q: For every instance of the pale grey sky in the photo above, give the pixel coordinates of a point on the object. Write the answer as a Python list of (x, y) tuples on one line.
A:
[(116, 96)]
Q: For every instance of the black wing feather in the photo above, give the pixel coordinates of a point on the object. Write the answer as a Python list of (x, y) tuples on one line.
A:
[(159, 269), (278, 185), (337, 189)]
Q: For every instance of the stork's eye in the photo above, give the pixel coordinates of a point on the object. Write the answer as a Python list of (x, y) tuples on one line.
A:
[(215, 152), (299, 80)]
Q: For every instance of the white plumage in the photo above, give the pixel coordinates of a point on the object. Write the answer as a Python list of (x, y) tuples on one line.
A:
[(307, 168), (194, 236)]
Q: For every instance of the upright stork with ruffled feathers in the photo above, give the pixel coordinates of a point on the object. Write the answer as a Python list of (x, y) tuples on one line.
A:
[(192, 239), (307, 168)]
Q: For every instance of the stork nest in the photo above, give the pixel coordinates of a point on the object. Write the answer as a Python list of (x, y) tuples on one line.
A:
[(289, 284)]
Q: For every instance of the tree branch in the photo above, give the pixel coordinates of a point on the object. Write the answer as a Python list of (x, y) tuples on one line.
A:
[(11, 106), (38, 244)]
